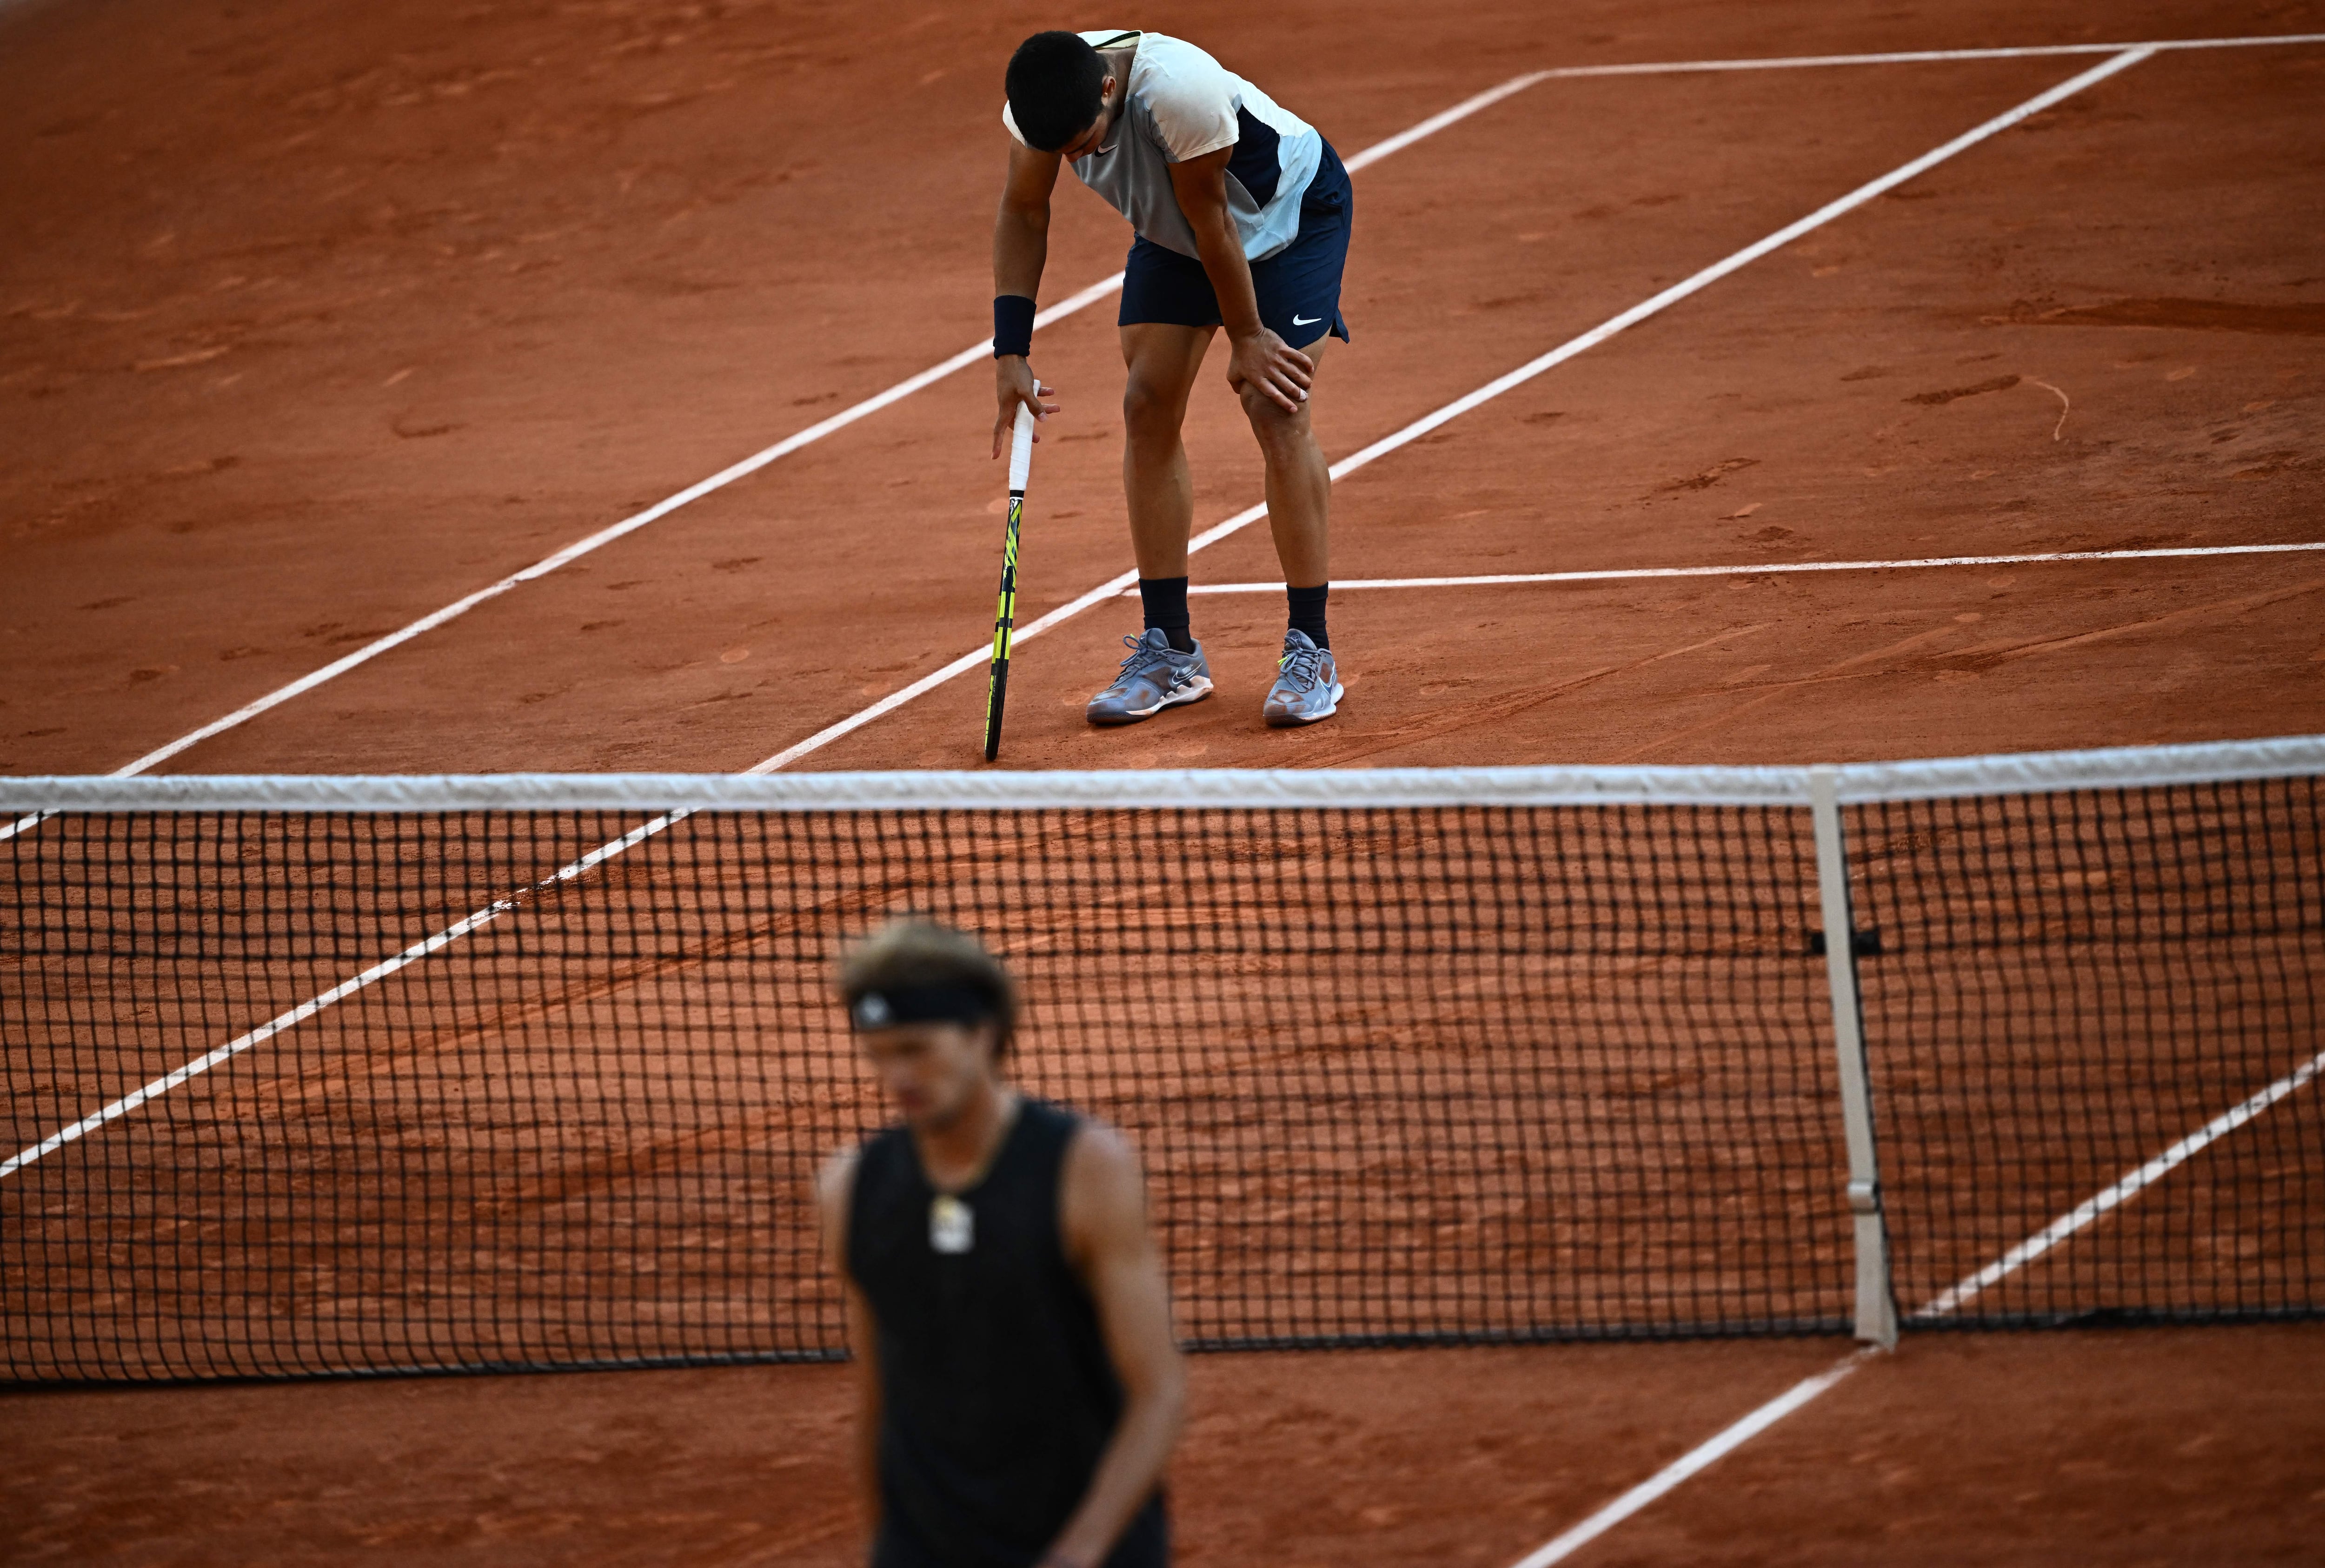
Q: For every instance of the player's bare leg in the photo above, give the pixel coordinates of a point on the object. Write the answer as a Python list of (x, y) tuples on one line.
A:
[(1299, 481), (1298, 511), (1162, 361)]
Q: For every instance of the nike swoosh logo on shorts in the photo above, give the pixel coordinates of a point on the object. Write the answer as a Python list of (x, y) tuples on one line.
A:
[(1306, 320)]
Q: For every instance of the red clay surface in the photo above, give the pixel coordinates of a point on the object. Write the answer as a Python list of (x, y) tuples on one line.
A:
[(2123, 1447), (353, 315), (317, 318)]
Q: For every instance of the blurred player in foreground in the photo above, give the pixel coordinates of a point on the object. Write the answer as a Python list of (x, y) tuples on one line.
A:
[(1242, 211), (1020, 1391)]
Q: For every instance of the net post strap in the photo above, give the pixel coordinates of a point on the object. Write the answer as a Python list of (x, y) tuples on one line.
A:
[(1875, 1313)]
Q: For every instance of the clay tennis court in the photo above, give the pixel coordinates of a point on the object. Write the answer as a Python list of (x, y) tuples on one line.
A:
[(320, 322)]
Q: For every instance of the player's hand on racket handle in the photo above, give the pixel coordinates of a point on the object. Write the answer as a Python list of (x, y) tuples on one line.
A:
[(1281, 371), (1014, 382)]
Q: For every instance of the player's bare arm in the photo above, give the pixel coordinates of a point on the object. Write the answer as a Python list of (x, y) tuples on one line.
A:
[(832, 1186), (1021, 248), (1257, 356), (1103, 1218)]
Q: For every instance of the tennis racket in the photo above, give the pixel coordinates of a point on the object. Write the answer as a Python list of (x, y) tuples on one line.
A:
[(1004, 617)]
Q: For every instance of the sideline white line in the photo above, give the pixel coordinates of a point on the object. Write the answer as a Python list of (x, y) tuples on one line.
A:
[(747, 467), (2125, 1187), (1099, 595), (1491, 390), (337, 993), (1696, 1459), (1436, 123), (1920, 56), (2129, 1186), (1628, 573)]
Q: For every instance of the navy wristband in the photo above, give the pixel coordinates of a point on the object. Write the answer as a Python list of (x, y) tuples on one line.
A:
[(1013, 324)]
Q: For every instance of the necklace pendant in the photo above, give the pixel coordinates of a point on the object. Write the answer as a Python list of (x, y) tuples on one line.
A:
[(952, 1225)]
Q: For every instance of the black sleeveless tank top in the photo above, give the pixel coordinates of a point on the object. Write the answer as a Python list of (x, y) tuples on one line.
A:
[(997, 1396)]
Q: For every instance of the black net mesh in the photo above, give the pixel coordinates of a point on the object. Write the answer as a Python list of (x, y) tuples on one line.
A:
[(529, 1089), (2099, 1009), (336, 1092)]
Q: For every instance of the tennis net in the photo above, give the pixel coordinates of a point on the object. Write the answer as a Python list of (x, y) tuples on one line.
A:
[(352, 1075)]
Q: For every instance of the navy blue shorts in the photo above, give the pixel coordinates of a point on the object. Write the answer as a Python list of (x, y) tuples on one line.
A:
[(1299, 287)]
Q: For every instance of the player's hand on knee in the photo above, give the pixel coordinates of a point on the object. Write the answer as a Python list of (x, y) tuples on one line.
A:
[(1014, 382), (1277, 371)]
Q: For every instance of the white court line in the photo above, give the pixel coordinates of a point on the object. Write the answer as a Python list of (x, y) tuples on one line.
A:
[(2129, 1186), (337, 993), (1108, 590), (1493, 388), (2124, 1188), (1920, 56), (1695, 1459), (1629, 573)]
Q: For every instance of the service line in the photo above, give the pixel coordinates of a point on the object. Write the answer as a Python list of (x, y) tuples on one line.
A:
[(1766, 568), (1108, 590)]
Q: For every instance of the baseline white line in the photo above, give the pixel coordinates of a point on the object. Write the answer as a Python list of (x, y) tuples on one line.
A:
[(1491, 390), (1920, 56), (2129, 1186), (1099, 595), (1630, 573), (1694, 1460), (728, 475)]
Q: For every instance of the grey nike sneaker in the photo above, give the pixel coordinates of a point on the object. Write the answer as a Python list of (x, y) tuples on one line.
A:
[(1155, 677), (1307, 684)]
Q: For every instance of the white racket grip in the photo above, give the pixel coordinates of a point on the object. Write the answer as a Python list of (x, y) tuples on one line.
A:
[(1020, 450)]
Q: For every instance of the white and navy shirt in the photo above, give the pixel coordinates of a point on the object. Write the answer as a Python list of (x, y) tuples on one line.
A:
[(1180, 104)]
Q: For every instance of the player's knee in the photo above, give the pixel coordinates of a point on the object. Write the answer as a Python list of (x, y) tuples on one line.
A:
[(1279, 432), (1148, 411)]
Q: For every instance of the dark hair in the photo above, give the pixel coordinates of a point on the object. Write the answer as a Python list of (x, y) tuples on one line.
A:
[(1057, 85), (911, 954)]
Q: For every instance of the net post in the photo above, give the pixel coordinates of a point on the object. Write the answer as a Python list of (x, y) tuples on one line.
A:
[(1876, 1307)]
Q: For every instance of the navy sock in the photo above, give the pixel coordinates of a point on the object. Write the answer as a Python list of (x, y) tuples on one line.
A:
[(1308, 613), (1165, 599)]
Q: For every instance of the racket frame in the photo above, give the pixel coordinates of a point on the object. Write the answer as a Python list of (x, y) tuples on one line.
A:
[(1005, 615)]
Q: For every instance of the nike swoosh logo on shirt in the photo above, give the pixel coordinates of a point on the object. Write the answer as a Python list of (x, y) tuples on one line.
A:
[(1306, 320)]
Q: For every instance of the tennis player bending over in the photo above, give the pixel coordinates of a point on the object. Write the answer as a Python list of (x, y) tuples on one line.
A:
[(1242, 212), (1020, 1389)]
